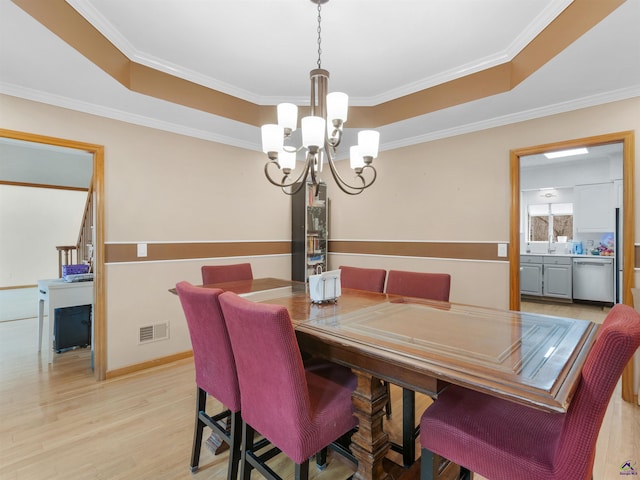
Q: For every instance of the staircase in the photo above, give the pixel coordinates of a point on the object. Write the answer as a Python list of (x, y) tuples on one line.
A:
[(83, 249)]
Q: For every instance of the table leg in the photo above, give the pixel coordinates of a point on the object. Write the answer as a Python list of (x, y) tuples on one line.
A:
[(52, 315), (369, 444), (40, 322)]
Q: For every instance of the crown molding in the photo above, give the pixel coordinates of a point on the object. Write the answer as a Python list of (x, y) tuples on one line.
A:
[(250, 144)]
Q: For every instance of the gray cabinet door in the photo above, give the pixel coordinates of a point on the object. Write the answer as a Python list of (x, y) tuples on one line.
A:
[(557, 281), (531, 279)]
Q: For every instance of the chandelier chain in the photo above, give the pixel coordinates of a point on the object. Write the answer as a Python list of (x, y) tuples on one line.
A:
[(319, 34)]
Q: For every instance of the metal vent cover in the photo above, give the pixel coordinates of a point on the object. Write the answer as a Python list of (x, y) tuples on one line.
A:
[(152, 333)]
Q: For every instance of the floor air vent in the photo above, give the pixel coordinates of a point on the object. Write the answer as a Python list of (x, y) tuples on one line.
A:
[(152, 333)]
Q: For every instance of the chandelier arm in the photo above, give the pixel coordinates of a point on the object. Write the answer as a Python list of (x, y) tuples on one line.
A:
[(335, 138), (345, 186), (374, 172), (282, 184), (312, 159), (315, 181), (293, 191), (292, 149)]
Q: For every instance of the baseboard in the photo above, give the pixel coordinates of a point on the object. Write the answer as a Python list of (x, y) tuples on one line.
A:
[(545, 299), (156, 362), (16, 287)]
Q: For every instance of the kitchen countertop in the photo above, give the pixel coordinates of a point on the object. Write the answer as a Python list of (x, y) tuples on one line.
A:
[(566, 255)]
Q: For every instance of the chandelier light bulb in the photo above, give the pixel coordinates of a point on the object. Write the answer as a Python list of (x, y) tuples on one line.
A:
[(313, 132), (288, 116), (368, 142), (287, 159), (272, 138), (337, 107)]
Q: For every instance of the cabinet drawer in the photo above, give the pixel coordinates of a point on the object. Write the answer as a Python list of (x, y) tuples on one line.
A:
[(531, 259), (558, 260)]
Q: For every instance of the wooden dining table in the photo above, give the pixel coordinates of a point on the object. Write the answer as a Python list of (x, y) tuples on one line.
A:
[(425, 346)]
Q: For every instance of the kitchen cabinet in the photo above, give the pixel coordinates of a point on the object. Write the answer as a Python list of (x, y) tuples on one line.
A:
[(557, 277), (546, 275), (531, 275), (593, 208)]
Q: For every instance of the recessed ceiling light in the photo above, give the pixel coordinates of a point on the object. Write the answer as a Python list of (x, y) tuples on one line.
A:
[(567, 153)]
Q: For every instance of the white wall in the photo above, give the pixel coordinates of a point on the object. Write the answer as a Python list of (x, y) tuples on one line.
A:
[(33, 221)]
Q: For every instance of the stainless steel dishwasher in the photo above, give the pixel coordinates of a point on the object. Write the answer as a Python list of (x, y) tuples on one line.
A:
[(593, 279)]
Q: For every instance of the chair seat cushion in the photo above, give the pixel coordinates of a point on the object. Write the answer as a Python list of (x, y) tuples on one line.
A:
[(495, 438)]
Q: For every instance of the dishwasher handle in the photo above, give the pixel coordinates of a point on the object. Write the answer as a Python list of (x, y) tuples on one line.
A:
[(597, 264)]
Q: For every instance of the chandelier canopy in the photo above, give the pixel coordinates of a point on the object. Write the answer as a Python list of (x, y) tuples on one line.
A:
[(321, 135)]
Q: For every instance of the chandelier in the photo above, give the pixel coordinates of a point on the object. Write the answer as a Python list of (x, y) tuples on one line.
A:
[(321, 135)]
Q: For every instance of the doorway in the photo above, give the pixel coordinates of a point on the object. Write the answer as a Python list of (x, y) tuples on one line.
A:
[(628, 254), (97, 151)]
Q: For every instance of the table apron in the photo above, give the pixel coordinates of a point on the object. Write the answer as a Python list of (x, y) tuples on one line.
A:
[(376, 366)]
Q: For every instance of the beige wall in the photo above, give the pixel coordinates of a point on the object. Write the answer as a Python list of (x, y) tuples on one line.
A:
[(164, 187)]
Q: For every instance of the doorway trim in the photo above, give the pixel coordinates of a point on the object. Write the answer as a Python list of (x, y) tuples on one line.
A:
[(99, 318), (628, 222)]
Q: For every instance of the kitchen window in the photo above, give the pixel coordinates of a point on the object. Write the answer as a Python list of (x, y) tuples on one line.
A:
[(548, 221)]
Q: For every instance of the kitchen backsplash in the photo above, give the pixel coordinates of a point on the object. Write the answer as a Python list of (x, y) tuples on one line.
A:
[(603, 243)]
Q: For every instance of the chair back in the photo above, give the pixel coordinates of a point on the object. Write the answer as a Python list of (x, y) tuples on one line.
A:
[(212, 354), (226, 273), (370, 279), (432, 286), (271, 374), (618, 339)]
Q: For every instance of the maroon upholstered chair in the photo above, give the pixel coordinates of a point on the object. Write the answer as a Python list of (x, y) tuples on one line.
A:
[(226, 273), (297, 410), (370, 279), (500, 439), (215, 371), (431, 286)]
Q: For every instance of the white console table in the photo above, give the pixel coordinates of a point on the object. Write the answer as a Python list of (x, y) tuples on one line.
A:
[(59, 294)]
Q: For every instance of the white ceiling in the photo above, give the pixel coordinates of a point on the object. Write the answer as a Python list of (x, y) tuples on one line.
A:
[(376, 50), (262, 51), (605, 153)]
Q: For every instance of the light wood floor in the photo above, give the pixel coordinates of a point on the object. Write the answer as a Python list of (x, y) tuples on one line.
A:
[(58, 423)]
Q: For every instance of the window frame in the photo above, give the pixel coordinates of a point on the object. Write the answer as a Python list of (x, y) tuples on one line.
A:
[(561, 209)]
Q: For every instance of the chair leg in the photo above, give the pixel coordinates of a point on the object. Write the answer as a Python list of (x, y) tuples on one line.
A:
[(302, 470), (387, 406), (235, 447), (426, 465), (321, 459), (408, 427), (247, 444), (201, 404), (466, 474), (429, 469)]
